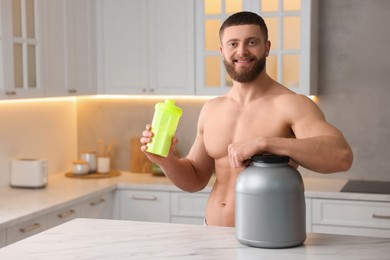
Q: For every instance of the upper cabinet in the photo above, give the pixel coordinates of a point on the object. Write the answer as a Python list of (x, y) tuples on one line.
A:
[(78, 47), (146, 46), (47, 48), (69, 39), (20, 49), (292, 28)]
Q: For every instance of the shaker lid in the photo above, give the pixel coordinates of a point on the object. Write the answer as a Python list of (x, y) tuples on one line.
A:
[(169, 106), (270, 158)]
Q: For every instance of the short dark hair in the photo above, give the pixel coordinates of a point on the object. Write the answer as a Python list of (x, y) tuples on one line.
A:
[(244, 18)]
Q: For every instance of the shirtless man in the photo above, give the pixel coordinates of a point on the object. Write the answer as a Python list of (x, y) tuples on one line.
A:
[(258, 115)]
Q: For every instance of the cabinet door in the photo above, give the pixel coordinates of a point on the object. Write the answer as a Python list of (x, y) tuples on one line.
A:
[(146, 47), (99, 207), (292, 32), (145, 206), (26, 229), (188, 208), (3, 238), (123, 46), (70, 47), (20, 53), (171, 47), (63, 215)]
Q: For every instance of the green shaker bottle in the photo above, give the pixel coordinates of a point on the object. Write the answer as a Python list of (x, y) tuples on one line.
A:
[(165, 120)]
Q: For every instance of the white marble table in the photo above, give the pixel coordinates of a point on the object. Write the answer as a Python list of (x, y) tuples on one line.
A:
[(117, 239)]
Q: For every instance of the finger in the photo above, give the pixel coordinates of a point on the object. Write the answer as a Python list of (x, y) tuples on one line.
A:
[(145, 140), (147, 133), (148, 127)]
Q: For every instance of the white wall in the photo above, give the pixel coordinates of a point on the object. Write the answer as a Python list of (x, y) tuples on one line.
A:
[(45, 129)]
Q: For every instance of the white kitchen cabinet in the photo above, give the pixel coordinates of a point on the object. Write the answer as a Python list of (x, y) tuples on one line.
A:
[(26, 229), (63, 215), (20, 49), (188, 208), (142, 205), (70, 47), (364, 218), (292, 28), (146, 47), (101, 206), (3, 237)]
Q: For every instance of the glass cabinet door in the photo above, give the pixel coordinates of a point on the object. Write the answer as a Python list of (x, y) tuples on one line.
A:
[(20, 48), (24, 44), (293, 47)]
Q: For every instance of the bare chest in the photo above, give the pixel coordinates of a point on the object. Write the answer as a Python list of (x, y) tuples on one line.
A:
[(225, 127)]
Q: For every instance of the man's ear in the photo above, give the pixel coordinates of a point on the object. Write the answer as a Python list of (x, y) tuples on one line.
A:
[(267, 47)]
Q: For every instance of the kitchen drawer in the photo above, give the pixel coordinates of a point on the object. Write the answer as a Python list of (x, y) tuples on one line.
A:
[(351, 217), (187, 220), (3, 237), (101, 206), (351, 213), (26, 229), (63, 215), (188, 204), (140, 205)]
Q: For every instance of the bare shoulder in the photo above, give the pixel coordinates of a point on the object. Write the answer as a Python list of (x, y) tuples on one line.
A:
[(212, 105), (297, 105), (305, 116)]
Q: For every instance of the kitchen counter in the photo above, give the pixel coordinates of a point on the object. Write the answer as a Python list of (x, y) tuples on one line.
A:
[(17, 205), (116, 239)]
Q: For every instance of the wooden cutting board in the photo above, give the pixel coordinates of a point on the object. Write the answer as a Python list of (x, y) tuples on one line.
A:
[(138, 161)]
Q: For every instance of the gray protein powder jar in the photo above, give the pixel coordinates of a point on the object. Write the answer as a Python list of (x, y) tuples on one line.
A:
[(270, 204)]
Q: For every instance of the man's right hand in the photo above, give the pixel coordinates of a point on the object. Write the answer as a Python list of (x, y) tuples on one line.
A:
[(147, 136)]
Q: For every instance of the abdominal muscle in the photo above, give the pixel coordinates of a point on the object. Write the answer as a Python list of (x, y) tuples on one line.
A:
[(220, 206)]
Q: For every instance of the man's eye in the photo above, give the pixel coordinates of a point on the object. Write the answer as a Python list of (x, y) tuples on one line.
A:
[(252, 43), (232, 44)]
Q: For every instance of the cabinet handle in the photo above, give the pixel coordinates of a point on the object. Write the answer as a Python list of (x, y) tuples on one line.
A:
[(66, 214), (94, 203), (30, 228), (381, 216), (72, 91), (137, 197), (10, 93)]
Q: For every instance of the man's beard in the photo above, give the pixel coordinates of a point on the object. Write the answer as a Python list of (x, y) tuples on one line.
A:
[(246, 75)]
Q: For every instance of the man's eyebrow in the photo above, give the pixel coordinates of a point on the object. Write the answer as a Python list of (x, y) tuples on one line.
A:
[(245, 40)]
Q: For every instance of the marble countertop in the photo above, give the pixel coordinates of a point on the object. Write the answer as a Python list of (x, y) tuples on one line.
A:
[(18, 205), (116, 239)]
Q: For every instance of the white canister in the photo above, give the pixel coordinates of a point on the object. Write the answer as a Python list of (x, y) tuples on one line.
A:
[(80, 167), (103, 164), (90, 157)]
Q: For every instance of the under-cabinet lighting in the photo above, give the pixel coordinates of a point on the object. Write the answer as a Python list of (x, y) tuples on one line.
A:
[(130, 97), (35, 100), (148, 97)]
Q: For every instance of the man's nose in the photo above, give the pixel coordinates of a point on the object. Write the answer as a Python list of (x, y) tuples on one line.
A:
[(242, 49)]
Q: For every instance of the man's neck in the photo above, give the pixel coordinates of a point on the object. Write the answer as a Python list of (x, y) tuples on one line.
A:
[(249, 91)]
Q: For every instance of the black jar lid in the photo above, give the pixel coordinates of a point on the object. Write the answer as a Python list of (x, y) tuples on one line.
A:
[(270, 158)]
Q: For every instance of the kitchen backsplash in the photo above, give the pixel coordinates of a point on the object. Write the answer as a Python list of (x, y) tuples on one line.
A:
[(122, 119), (37, 129)]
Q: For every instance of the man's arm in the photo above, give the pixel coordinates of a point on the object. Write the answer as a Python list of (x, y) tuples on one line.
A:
[(189, 174), (318, 146)]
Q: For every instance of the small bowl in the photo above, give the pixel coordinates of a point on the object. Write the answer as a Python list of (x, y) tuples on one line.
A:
[(80, 167)]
